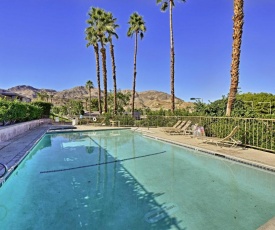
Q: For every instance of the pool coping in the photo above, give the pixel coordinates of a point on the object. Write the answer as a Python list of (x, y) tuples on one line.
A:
[(217, 154), (30, 146)]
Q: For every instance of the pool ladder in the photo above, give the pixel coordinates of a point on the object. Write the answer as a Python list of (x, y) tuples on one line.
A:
[(6, 170)]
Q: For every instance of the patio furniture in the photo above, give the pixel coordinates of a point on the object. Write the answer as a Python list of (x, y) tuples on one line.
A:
[(113, 123), (180, 130), (228, 140), (176, 125)]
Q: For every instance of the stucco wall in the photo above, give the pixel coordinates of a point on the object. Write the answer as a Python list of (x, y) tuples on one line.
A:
[(8, 132)]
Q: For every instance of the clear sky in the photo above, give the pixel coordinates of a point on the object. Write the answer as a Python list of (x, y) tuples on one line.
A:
[(42, 44)]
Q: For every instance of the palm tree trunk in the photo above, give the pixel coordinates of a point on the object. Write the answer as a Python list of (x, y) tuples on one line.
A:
[(114, 76), (90, 101), (236, 53), (135, 74), (103, 55), (172, 56), (98, 78)]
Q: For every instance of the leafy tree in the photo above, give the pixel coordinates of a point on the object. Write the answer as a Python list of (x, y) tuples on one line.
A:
[(94, 103), (246, 105), (63, 110), (56, 109), (262, 104), (164, 5), (238, 19), (122, 101), (137, 27), (74, 107)]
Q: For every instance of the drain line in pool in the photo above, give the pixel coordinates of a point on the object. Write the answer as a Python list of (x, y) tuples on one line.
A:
[(103, 163)]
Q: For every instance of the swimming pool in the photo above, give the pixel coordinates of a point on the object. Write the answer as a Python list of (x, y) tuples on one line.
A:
[(123, 180)]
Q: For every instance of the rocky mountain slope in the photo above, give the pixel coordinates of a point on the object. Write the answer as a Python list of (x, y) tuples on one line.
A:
[(147, 99)]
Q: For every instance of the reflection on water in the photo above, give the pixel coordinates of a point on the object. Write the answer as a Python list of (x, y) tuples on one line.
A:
[(125, 181), (106, 194)]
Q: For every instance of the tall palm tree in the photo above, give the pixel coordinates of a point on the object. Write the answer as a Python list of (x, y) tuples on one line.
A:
[(102, 24), (164, 5), (92, 39), (238, 20), (51, 97), (137, 27), (86, 103), (111, 33), (89, 85)]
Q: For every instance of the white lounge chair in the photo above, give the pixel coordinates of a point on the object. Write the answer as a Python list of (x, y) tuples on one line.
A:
[(228, 140), (177, 124), (180, 130)]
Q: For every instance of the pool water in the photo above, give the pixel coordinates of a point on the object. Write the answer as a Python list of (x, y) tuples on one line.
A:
[(123, 180)]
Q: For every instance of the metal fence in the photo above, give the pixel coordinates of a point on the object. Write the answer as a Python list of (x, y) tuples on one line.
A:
[(253, 132)]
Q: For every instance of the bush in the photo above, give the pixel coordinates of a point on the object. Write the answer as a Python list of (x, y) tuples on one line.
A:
[(17, 111), (45, 106)]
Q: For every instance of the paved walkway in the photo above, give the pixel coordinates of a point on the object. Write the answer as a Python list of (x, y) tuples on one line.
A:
[(13, 150)]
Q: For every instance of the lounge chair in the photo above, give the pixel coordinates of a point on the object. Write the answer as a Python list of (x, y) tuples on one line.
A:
[(172, 129), (176, 125), (180, 130), (228, 140)]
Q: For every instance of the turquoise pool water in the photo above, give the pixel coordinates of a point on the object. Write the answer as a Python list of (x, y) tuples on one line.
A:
[(122, 180)]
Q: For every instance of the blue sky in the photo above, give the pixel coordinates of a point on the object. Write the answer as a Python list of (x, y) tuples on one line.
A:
[(42, 44)]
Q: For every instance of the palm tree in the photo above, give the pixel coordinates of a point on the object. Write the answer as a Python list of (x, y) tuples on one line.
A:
[(236, 52), (51, 97), (102, 24), (137, 26), (164, 5), (86, 103), (89, 85), (111, 32), (92, 39)]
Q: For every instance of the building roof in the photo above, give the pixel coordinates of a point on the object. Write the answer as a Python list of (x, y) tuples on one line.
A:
[(12, 94)]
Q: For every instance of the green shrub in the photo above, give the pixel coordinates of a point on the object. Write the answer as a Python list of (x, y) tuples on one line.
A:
[(46, 107)]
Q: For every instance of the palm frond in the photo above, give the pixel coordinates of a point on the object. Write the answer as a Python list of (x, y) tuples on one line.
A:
[(164, 6)]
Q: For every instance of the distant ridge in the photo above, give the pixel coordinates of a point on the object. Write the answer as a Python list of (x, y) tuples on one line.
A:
[(147, 99)]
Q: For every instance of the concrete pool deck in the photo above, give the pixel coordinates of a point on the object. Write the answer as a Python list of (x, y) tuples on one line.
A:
[(14, 150)]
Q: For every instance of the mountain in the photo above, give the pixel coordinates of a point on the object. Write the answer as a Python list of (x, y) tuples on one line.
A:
[(29, 91), (147, 99)]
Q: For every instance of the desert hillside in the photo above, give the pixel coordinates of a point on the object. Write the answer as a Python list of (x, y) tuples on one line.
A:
[(147, 99)]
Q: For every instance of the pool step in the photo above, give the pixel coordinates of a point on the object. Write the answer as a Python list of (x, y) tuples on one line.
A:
[(6, 170)]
